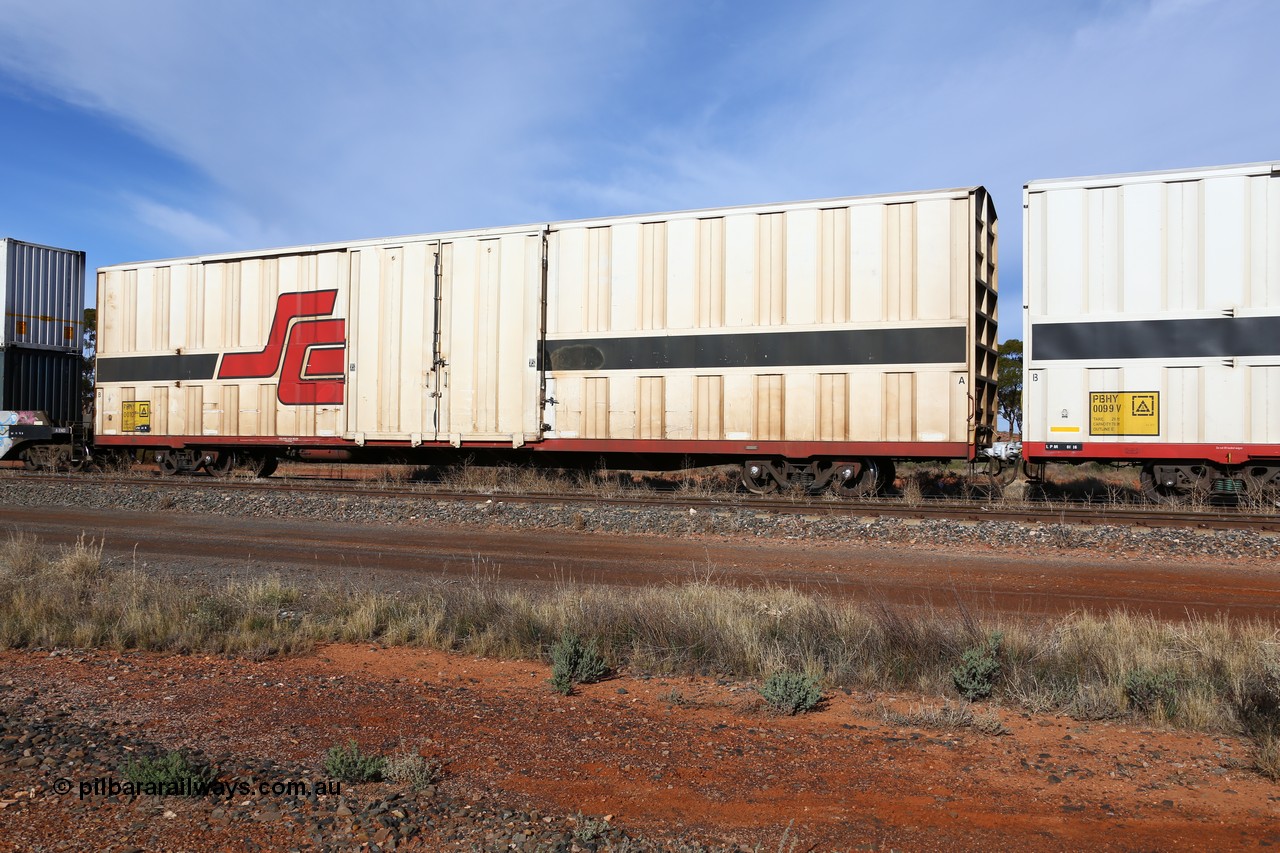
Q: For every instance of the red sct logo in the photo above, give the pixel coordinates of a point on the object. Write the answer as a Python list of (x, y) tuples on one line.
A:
[(308, 355)]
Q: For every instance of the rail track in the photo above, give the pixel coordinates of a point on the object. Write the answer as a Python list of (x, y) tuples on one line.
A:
[(342, 534), (1027, 511)]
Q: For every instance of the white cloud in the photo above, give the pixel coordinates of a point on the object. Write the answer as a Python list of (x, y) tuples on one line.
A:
[(190, 229), (321, 120)]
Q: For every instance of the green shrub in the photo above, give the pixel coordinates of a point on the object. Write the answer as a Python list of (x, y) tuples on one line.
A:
[(791, 692), (589, 830), (213, 613), (172, 775), (1150, 690), (349, 764), (573, 662), (979, 669)]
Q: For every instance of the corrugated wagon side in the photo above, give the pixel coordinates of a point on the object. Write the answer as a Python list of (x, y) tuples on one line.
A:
[(813, 341), (1153, 326), (347, 350)]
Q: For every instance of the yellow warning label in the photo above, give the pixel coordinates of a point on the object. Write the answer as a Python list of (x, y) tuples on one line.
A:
[(136, 416), (1124, 413)]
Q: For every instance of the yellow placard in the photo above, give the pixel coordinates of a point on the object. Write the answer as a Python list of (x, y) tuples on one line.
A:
[(1124, 413), (136, 416)]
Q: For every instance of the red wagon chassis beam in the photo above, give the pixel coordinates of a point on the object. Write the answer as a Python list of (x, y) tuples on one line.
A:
[(1036, 452), (781, 449), (183, 441)]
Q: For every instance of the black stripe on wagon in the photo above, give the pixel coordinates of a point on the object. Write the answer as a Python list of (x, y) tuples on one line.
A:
[(1214, 337), (158, 368), (760, 349)]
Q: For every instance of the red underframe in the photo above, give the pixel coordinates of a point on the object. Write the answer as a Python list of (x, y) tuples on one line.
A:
[(745, 449), (1223, 454)]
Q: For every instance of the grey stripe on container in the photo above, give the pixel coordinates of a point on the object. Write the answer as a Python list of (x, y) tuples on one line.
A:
[(944, 345), (1214, 337), (158, 368)]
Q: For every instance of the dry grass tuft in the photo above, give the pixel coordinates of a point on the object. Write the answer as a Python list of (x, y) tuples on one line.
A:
[(947, 716), (20, 555), (1206, 673), (1266, 761)]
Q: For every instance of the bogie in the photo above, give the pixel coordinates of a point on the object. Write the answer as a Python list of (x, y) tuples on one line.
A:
[(1262, 482), (1174, 483), (47, 457), (863, 477), (174, 462), (760, 477)]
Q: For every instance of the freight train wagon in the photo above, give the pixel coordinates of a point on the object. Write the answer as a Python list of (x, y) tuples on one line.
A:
[(1152, 324), (42, 308), (811, 342)]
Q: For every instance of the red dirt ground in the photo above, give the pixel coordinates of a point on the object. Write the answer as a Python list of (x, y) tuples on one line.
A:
[(661, 755)]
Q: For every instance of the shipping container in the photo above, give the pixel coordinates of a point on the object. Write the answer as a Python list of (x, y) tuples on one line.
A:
[(41, 380), (862, 326), (407, 341), (1152, 325), (838, 329), (42, 298)]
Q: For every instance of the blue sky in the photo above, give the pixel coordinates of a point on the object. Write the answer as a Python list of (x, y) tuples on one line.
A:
[(138, 130)]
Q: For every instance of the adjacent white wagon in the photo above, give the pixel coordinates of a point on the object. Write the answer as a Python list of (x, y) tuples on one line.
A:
[(1153, 326)]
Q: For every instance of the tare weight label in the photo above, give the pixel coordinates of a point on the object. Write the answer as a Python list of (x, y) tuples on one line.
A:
[(135, 416), (1124, 413)]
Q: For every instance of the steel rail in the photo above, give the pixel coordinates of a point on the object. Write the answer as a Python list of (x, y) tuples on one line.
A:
[(930, 508)]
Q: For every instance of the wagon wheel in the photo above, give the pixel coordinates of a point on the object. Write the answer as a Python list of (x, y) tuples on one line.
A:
[(1170, 492), (223, 464), (859, 479), (1002, 473), (169, 463), (1262, 484), (262, 464), (47, 457), (81, 461), (886, 475), (32, 458), (758, 479)]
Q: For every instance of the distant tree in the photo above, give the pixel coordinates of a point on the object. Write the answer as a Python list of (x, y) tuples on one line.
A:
[(1009, 384), (88, 360)]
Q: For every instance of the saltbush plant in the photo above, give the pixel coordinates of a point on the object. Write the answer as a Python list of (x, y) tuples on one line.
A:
[(574, 662), (1151, 691), (791, 692), (173, 774), (412, 770), (349, 764), (979, 669)]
